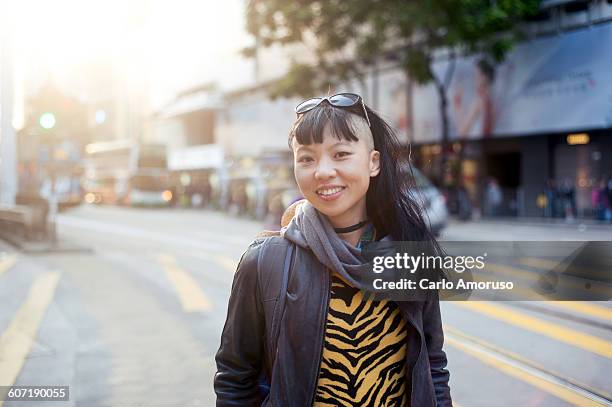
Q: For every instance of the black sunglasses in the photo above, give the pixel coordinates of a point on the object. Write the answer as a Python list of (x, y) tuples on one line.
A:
[(338, 100)]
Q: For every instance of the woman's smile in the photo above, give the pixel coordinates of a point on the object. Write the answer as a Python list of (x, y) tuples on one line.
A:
[(330, 192)]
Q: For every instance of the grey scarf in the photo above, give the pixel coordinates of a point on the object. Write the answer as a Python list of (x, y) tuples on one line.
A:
[(311, 229)]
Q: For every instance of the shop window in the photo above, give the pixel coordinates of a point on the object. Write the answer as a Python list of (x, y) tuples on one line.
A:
[(543, 15), (577, 7)]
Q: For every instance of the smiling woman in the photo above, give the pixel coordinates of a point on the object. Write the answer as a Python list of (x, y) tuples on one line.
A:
[(335, 175), (302, 326)]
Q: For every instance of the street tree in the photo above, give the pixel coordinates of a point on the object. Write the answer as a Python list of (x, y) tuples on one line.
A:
[(347, 36)]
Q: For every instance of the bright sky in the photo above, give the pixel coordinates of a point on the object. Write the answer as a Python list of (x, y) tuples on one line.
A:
[(163, 46)]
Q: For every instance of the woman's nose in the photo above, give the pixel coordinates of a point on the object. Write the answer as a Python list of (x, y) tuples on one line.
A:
[(325, 170)]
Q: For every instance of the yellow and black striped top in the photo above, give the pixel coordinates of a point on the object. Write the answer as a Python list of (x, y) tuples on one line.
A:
[(364, 352)]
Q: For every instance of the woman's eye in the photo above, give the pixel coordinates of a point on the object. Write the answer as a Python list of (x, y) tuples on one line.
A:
[(305, 159), (342, 154)]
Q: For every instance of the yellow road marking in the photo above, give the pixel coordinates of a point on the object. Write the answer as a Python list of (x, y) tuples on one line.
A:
[(582, 307), (586, 308), (525, 376), (539, 263), (569, 336), (487, 345), (518, 292), (511, 271), (6, 262), (189, 292), (576, 280), (227, 263), (545, 265), (17, 340)]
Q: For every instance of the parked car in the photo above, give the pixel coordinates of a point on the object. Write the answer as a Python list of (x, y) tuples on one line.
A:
[(432, 202)]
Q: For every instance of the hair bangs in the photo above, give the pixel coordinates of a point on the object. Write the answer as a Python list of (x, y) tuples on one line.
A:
[(309, 127)]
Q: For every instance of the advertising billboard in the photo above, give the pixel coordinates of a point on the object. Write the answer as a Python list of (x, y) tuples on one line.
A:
[(552, 84)]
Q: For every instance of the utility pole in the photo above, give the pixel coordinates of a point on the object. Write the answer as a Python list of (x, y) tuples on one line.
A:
[(8, 142)]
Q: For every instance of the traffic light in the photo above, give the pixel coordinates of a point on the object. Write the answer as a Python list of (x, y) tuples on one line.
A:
[(47, 120)]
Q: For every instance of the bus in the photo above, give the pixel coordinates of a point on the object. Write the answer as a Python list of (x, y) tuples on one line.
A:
[(124, 172)]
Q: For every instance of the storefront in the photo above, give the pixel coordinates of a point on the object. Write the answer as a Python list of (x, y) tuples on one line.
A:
[(197, 175), (259, 186), (541, 120)]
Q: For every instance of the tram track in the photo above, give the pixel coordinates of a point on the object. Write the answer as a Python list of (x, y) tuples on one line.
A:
[(554, 383), (563, 315)]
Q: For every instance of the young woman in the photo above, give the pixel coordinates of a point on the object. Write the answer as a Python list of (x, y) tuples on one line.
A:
[(322, 340)]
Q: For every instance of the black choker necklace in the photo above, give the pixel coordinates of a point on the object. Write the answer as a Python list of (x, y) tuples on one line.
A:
[(352, 228)]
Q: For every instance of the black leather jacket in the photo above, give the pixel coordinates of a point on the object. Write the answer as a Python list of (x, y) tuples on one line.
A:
[(293, 370)]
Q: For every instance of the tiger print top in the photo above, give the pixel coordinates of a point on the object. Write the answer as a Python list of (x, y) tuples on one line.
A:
[(364, 353)]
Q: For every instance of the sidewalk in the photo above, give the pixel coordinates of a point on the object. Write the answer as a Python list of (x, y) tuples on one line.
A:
[(525, 229), (41, 246), (576, 223)]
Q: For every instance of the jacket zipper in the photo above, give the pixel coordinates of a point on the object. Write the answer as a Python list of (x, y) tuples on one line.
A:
[(322, 343), (412, 367)]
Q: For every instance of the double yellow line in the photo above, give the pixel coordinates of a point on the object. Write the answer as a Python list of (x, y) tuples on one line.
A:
[(478, 348), (585, 308), (519, 368), (569, 336)]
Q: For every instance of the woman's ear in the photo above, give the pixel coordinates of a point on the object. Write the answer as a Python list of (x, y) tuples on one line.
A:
[(374, 163)]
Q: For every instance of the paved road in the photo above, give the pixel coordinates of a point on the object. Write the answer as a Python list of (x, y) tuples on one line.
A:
[(136, 321)]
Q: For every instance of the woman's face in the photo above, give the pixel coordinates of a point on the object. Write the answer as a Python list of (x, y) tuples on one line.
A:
[(334, 176)]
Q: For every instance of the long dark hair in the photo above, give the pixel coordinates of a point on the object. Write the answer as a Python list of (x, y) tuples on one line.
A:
[(392, 199)]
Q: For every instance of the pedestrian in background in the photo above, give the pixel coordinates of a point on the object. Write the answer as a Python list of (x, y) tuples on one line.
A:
[(464, 203), (568, 198), (608, 196), (493, 197), (549, 192), (599, 200), (293, 346)]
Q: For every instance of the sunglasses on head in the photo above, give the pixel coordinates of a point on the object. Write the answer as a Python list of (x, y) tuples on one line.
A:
[(338, 100)]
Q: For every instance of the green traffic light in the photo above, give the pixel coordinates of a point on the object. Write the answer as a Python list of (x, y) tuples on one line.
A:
[(47, 121)]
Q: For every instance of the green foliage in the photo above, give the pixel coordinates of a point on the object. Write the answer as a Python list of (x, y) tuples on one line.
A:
[(418, 64), (305, 80), (350, 34)]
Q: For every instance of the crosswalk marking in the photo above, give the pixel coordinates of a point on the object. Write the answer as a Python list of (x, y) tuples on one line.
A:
[(585, 308), (7, 261), (546, 264), (189, 292), (527, 363), (17, 340), (517, 372), (569, 336), (582, 307), (527, 275), (571, 280), (524, 293), (496, 268), (227, 263)]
